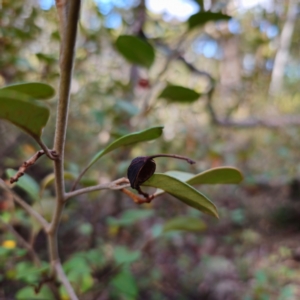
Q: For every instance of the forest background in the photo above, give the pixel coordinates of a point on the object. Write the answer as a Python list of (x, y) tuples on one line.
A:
[(241, 108)]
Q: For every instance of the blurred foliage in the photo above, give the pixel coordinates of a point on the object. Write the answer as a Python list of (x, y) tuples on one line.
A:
[(110, 248)]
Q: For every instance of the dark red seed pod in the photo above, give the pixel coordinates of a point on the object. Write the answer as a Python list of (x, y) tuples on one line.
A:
[(140, 170)]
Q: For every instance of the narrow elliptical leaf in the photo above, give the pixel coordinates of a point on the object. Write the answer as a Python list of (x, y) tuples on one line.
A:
[(176, 93), (35, 90), (136, 50), (182, 191), (132, 138), (202, 17), (28, 114), (220, 175)]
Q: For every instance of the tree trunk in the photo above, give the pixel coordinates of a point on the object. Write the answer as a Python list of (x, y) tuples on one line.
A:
[(282, 54)]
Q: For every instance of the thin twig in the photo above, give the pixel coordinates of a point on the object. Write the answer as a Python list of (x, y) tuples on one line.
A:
[(282, 55), (190, 161), (196, 71), (63, 278), (26, 164), (26, 206), (23, 242), (114, 185)]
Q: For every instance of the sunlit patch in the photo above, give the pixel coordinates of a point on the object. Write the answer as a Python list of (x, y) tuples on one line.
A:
[(9, 244), (173, 8)]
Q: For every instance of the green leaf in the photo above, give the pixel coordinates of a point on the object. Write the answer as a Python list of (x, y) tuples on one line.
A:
[(27, 272), (29, 293), (36, 90), (220, 175), (50, 59), (123, 255), (26, 183), (136, 50), (130, 217), (202, 17), (95, 257), (184, 223), (182, 176), (176, 93), (85, 182), (125, 285), (82, 280), (182, 191), (27, 114), (77, 263), (132, 138)]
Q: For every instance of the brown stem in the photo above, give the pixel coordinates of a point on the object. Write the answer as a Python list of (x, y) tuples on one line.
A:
[(64, 279), (69, 32)]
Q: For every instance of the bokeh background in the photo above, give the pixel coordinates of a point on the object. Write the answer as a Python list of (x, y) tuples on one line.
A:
[(112, 248)]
